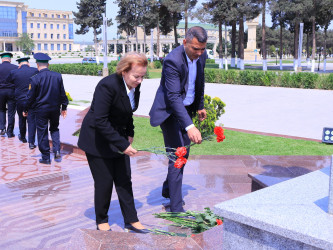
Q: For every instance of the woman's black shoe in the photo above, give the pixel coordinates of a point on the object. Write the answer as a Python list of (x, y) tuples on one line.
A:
[(136, 230)]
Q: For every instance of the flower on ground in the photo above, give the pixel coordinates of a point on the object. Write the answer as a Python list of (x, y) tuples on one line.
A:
[(180, 162)]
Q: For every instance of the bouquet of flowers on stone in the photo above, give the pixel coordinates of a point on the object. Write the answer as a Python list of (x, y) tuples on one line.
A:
[(177, 154), (198, 222)]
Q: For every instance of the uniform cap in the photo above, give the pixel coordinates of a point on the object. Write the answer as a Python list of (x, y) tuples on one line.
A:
[(41, 57), (6, 54), (23, 59)]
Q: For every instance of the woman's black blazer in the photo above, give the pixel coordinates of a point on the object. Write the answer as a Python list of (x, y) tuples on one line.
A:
[(109, 121)]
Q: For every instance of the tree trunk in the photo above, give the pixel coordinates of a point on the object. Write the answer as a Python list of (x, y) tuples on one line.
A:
[(325, 38), (313, 43), (296, 45), (136, 39), (144, 40), (281, 30), (263, 40), (220, 46), (241, 42), (175, 29), (186, 15), (233, 43), (158, 37), (96, 45)]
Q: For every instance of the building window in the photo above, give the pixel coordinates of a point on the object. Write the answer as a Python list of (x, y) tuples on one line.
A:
[(32, 14), (64, 26), (39, 46), (24, 22), (45, 36), (58, 16), (8, 22), (58, 36), (31, 25), (45, 15), (64, 16), (52, 15), (45, 46), (44, 25), (38, 25), (38, 35), (64, 36), (51, 36), (58, 26), (70, 31), (70, 47), (39, 15), (51, 26), (52, 46), (65, 46), (58, 46), (32, 35)]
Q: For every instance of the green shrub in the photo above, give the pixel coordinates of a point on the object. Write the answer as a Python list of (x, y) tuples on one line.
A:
[(212, 65), (157, 64), (214, 108), (210, 61)]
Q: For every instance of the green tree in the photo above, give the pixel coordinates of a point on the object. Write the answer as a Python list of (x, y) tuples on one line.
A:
[(90, 15), (25, 43)]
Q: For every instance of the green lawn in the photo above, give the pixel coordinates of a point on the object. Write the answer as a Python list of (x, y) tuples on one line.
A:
[(236, 143), (155, 73)]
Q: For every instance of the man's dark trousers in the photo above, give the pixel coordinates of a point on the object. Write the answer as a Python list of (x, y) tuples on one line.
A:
[(7, 96), (23, 122), (43, 117), (174, 136)]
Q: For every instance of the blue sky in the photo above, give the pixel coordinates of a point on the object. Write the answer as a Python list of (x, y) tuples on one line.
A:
[(70, 5)]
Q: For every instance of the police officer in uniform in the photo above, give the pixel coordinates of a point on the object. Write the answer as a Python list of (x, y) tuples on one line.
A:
[(7, 95), (20, 78), (46, 96)]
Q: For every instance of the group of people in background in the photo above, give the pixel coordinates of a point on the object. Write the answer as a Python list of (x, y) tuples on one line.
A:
[(36, 94)]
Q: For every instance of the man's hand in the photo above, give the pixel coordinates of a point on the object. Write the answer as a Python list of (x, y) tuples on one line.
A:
[(202, 114), (194, 135), (130, 151), (25, 114), (130, 139), (64, 113)]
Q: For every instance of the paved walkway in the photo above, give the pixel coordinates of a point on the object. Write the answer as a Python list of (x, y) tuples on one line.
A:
[(284, 111)]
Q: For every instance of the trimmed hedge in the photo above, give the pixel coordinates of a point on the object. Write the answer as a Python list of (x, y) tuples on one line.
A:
[(304, 80), (80, 69)]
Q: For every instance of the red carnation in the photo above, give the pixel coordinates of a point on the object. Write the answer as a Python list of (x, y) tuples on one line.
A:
[(180, 162), (181, 151), (219, 222), (219, 131), (220, 138)]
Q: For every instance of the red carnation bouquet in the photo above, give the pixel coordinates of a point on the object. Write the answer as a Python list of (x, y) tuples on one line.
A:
[(177, 154)]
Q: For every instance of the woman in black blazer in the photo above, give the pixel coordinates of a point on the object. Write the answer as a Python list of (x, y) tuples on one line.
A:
[(107, 130)]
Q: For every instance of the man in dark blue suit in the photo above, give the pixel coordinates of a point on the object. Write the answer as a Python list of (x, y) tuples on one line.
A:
[(46, 96), (179, 97), (20, 78), (7, 95)]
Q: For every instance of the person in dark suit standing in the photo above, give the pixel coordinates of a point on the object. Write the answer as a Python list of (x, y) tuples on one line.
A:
[(20, 78), (7, 95), (106, 136), (179, 97), (46, 97)]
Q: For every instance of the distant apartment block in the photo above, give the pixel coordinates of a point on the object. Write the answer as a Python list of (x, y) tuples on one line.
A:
[(51, 30)]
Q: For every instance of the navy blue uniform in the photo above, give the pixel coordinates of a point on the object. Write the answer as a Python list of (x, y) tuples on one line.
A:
[(7, 97), (45, 97), (20, 78)]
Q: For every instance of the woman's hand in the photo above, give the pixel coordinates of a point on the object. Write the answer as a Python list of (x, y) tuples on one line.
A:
[(130, 151)]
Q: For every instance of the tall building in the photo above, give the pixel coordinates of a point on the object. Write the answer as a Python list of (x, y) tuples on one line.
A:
[(51, 30)]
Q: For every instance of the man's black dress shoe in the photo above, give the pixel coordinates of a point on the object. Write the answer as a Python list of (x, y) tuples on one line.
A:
[(10, 135), (48, 161), (128, 227), (32, 146), (57, 155), (22, 139), (2, 131)]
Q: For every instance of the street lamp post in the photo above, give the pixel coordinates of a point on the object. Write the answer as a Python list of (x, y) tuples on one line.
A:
[(276, 51)]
